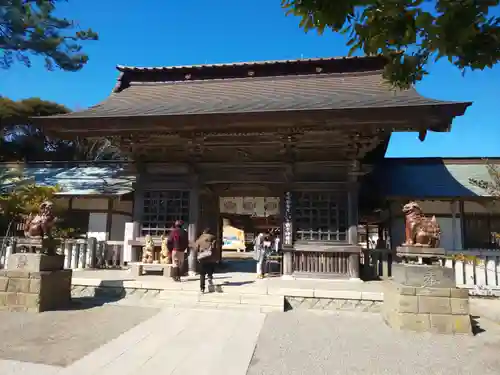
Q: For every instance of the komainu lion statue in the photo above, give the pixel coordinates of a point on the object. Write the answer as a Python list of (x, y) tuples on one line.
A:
[(165, 256), (41, 224), (148, 250), (420, 230)]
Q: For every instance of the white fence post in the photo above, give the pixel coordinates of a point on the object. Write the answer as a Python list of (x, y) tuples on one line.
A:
[(67, 254), (9, 249), (131, 233), (481, 271), (91, 252), (82, 254), (74, 255)]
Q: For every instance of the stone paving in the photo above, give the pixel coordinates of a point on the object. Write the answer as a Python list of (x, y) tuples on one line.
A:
[(59, 338), (178, 342), (215, 342), (298, 343), (239, 282)]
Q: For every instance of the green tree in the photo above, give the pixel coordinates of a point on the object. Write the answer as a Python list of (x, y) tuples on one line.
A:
[(22, 141), (24, 199), (30, 27), (409, 32), (491, 187)]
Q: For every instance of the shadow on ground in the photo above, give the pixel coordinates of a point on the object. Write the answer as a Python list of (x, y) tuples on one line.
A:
[(112, 291), (476, 325)]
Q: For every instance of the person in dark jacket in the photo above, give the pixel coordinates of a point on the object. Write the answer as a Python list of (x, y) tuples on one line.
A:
[(206, 242), (177, 243)]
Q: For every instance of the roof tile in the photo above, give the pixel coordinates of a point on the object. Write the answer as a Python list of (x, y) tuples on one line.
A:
[(255, 94)]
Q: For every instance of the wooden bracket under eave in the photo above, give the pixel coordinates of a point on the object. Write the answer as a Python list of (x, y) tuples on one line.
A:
[(422, 134)]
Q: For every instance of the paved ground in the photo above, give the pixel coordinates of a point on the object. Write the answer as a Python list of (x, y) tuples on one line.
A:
[(240, 282), (215, 342), (61, 337), (346, 343), (178, 342)]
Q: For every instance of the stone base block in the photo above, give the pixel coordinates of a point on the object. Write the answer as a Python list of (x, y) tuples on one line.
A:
[(35, 262), (425, 309), (419, 275), (34, 291), (420, 251)]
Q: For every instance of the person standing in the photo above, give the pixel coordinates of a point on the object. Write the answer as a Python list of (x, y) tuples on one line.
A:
[(205, 247), (178, 243), (260, 247)]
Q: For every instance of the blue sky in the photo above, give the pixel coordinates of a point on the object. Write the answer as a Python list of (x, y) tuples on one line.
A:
[(185, 32)]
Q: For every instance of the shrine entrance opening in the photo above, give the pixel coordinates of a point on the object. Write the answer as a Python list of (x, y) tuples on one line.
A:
[(237, 213)]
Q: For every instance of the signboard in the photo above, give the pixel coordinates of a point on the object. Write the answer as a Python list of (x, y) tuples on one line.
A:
[(251, 206), (233, 238)]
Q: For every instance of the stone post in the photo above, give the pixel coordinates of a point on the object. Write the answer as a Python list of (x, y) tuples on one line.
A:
[(131, 233), (353, 264), (91, 252), (9, 250)]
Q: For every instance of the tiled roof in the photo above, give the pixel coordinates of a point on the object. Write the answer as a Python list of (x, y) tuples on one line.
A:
[(431, 178), (106, 180), (255, 94), (377, 59)]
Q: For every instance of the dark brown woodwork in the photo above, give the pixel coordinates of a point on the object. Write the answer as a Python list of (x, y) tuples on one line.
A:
[(436, 118)]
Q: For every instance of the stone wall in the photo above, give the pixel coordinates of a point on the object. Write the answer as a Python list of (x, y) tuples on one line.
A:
[(331, 304), (34, 291), (426, 309)]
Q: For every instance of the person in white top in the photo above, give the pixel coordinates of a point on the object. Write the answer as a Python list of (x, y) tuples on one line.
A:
[(262, 244)]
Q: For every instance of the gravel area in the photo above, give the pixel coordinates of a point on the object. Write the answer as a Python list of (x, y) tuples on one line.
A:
[(360, 343), (59, 338)]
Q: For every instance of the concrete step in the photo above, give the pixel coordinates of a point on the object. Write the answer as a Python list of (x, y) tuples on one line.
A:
[(257, 302), (195, 300)]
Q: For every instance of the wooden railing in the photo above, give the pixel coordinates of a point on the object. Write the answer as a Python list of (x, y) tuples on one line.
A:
[(320, 263), (322, 260), (78, 253)]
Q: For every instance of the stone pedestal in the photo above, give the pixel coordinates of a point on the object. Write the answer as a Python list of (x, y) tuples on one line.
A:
[(420, 251), (35, 283), (424, 298)]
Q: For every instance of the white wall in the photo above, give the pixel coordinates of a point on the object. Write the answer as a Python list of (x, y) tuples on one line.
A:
[(474, 207), (123, 206), (97, 226), (90, 204), (118, 226)]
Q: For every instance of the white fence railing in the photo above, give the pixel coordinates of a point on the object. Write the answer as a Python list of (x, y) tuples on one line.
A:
[(78, 253), (479, 270)]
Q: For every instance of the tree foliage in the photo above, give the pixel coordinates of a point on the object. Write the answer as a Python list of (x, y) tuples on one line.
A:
[(30, 27), (22, 141), (409, 32), (25, 198), (491, 187)]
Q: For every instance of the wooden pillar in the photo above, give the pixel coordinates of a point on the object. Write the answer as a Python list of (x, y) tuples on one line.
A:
[(109, 218), (367, 230), (287, 234), (194, 214), (353, 219), (352, 207), (454, 232), (138, 203), (461, 212)]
